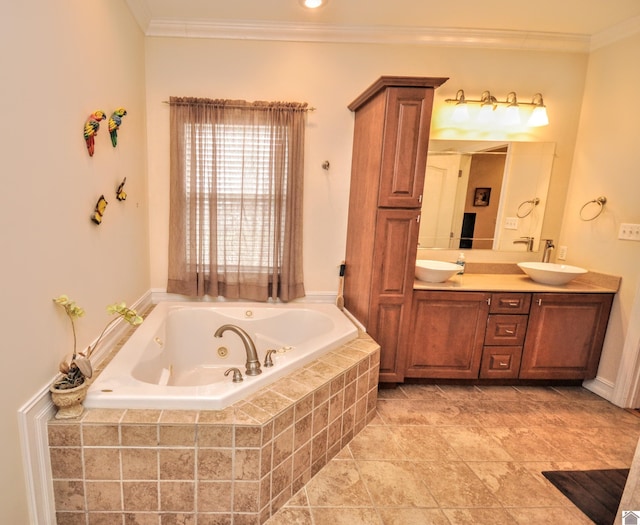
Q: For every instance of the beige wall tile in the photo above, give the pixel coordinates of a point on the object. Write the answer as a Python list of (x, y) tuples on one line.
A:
[(177, 464), (214, 496), (215, 464), (177, 435), (140, 495), (177, 496), (66, 462), (246, 496), (139, 435), (102, 463), (103, 495), (139, 463), (63, 435), (215, 436), (68, 495), (247, 464)]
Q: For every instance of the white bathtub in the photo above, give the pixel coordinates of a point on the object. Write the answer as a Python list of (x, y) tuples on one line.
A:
[(173, 360)]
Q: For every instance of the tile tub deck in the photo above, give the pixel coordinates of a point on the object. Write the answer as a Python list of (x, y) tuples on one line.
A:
[(234, 466)]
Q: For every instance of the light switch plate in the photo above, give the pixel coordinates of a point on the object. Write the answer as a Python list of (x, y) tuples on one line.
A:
[(562, 253), (511, 223), (629, 232)]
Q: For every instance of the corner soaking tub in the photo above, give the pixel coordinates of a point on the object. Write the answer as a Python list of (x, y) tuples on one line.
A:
[(174, 361)]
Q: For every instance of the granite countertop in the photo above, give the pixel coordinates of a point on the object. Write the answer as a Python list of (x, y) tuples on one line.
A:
[(503, 278)]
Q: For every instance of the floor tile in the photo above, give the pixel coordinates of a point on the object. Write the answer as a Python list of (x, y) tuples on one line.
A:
[(395, 484), (455, 454)]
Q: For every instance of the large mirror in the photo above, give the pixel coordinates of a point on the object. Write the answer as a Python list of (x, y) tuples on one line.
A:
[(485, 194)]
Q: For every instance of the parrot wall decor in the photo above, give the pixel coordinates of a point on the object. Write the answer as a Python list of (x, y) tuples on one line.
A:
[(121, 195), (114, 123), (91, 127), (96, 216)]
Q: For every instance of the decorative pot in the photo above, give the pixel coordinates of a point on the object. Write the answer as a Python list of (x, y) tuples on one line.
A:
[(69, 401)]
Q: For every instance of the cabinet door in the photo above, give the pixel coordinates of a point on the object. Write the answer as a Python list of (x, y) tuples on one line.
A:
[(447, 334), (392, 282), (565, 335), (404, 147)]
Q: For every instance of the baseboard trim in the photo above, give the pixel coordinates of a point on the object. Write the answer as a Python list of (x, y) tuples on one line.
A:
[(602, 388)]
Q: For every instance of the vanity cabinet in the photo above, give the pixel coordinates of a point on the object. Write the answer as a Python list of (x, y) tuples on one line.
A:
[(390, 141), (565, 335), (447, 334), (504, 336), (510, 336)]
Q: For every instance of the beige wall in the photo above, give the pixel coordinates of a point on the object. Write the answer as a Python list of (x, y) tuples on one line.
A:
[(61, 61), (329, 77), (606, 162)]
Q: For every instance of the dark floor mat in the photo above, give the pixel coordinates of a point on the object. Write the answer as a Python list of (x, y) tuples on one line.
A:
[(597, 493)]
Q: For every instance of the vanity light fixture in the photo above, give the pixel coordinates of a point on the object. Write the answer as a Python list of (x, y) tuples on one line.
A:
[(461, 111), (489, 103), (512, 113), (539, 116), (313, 4)]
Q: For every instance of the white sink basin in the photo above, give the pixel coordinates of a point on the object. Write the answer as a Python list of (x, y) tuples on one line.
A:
[(551, 273), (435, 271)]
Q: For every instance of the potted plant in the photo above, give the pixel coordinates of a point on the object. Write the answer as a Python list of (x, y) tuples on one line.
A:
[(69, 391)]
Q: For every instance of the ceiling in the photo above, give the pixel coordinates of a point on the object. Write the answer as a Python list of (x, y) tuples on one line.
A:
[(580, 24)]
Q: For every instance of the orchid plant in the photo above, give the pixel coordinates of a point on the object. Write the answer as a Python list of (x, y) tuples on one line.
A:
[(77, 368)]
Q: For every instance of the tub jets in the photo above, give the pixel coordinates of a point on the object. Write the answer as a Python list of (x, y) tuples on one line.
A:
[(253, 364)]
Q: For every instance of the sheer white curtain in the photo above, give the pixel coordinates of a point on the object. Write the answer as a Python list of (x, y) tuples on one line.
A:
[(236, 199)]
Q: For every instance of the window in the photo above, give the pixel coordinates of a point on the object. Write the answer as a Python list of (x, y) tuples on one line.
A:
[(236, 199), (245, 195)]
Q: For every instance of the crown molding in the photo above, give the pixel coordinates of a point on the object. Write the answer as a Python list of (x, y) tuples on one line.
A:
[(613, 34), (141, 12), (306, 32)]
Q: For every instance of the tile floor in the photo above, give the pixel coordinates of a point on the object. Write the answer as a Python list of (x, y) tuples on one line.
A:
[(466, 455)]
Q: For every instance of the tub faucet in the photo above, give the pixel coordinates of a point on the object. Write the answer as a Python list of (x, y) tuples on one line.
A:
[(253, 364), (548, 246)]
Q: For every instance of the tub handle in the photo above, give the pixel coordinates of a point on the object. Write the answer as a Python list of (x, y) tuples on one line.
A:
[(268, 362), (237, 375)]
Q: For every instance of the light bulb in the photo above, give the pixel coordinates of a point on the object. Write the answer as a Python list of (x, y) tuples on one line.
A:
[(312, 4), (512, 116), (538, 117)]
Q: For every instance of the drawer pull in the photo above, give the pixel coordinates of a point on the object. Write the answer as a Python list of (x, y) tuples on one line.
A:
[(502, 364), (509, 331), (512, 303)]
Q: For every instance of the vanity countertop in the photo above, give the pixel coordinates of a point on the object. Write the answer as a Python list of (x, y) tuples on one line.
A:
[(591, 282)]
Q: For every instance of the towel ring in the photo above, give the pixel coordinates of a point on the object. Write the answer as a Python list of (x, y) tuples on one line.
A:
[(600, 201), (533, 202)]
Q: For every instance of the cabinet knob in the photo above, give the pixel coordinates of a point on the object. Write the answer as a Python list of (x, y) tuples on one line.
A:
[(539, 302)]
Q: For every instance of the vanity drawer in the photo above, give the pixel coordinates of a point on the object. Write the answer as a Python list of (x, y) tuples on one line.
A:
[(506, 330), (510, 303), (501, 362)]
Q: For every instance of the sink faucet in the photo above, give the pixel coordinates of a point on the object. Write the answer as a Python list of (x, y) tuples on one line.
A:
[(253, 364), (525, 240), (548, 246)]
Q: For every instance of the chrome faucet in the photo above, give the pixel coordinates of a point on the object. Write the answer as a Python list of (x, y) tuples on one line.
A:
[(548, 246), (253, 364), (525, 240)]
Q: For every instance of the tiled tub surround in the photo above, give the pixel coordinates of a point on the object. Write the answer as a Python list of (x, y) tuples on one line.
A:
[(234, 466)]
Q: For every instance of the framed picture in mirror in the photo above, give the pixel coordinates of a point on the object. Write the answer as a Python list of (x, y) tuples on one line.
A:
[(481, 197)]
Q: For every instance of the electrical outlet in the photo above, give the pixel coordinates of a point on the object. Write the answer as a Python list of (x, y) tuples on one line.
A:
[(511, 223), (562, 253), (629, 232)]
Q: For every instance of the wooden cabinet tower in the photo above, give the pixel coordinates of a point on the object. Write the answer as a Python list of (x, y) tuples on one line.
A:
[(390, 142)]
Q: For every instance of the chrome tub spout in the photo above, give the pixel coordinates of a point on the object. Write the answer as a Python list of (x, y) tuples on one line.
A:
[(253, 364)]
